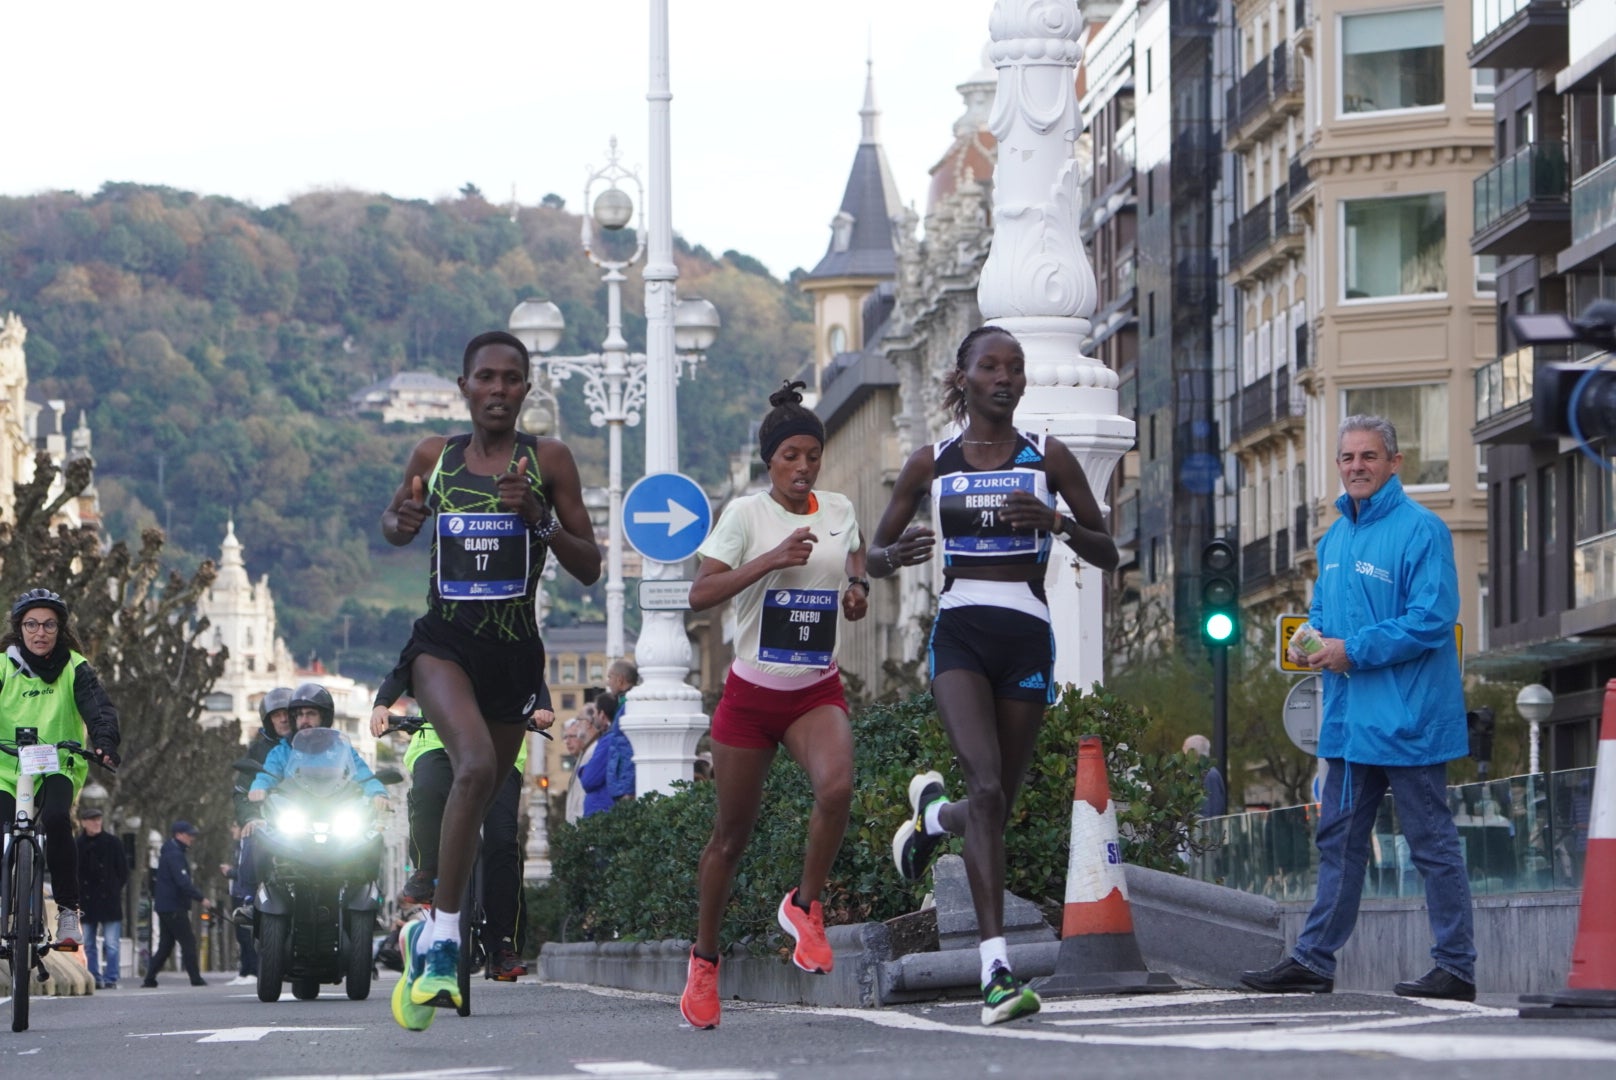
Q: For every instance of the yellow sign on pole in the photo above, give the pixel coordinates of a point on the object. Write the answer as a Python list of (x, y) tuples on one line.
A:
[(1286, 625)]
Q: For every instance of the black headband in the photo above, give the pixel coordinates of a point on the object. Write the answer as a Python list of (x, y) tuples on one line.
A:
[(796, 425)]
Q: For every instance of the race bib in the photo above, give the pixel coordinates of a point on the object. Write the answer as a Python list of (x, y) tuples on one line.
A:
[(39, 759), (798, 627), (969, 505), (482, 556)]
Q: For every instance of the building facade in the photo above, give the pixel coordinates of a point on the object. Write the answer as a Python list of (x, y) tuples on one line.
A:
[(1546, 213)]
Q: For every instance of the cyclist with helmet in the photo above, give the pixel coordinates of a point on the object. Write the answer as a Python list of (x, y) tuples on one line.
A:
[(501, 502), (312, 706), (46, 684)]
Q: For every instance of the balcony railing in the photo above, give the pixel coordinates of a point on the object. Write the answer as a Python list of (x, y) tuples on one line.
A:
[(1251, 232), (1256, 564), (1504, 383), (1282, 551), (1255, 92), (1593, 202), (1596, 569), (1301, 347), (1298, 179), (1257, 405), (1535, 171), (1299, 528)]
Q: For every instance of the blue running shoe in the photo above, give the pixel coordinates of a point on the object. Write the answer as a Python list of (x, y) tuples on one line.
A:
[(410, 1016), (439, 984)]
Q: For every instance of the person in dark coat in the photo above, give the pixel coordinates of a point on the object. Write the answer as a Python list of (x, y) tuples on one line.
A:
[(103, 870), (172, 894)]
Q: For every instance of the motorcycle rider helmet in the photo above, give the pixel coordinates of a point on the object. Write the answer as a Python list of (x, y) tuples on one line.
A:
[(275, 701), (313, 695), (35, 598)]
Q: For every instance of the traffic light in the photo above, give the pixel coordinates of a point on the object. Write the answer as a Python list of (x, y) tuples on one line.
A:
[(1220, 594)]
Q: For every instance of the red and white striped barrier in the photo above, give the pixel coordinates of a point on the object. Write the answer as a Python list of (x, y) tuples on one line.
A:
[(1591, 986), (1098, 951)]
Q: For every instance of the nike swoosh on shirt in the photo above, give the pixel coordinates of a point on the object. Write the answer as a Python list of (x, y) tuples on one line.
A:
[(838, 532)]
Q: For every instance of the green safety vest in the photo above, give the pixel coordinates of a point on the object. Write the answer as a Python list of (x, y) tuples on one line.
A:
[(32, 702), (425, 741)]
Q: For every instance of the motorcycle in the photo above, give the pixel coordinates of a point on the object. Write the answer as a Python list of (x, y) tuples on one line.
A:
[(318, 854)]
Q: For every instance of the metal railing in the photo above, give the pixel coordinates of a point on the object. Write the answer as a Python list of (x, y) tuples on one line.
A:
[(1255, 92), (1257, 404), (1256, 564), (1282, 551), (1595, 569), (1301, 347), (1593, 202), (1299, 528), (1298, 179), (1519, 834), (1535, 171), (1253, 230), (1507, 382)]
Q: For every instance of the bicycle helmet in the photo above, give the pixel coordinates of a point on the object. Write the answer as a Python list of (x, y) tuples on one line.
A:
[(275, 701), (34, 598), (313, 695)]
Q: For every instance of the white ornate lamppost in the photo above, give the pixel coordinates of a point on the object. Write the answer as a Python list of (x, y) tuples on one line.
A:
[(1038, 283), (614, 379)]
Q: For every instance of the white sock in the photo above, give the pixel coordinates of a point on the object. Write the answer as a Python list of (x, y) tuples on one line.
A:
[(994, 951), (445, 927), (932, 818)]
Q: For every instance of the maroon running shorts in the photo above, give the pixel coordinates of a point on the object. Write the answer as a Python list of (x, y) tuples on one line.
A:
[(754, 717)]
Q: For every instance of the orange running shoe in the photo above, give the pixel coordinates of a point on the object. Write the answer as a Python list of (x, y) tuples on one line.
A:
[(807, 928), (699, 1002)]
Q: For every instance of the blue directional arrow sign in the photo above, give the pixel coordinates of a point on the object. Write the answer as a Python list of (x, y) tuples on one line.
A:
[(666, 517)]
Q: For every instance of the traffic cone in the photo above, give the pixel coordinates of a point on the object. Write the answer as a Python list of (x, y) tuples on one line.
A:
[(1591, 986), (1098, 952)]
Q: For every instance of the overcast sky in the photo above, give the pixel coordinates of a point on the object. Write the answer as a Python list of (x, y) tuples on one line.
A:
[(264, 101)]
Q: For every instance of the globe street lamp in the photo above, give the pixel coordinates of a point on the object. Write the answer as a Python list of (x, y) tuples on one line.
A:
[(613, 379), (1535, 703)]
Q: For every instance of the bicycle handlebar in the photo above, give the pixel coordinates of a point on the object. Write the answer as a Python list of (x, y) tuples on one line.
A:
[(92, 756)]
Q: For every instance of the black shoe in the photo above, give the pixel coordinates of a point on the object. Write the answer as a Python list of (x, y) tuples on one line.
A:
[(1287, 977), (419, 890), (150, 984), (1437, 983), (199, 982)]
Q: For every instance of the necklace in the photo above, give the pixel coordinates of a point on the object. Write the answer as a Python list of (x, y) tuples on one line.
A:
[(986, 442)]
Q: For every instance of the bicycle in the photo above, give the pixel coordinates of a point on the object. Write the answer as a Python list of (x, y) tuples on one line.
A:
[(23, 937), (475, 953)]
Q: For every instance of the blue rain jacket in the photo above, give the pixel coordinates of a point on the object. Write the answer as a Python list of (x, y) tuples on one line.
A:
[(1387, 586)]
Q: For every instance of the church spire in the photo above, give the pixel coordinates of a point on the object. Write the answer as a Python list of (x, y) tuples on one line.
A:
[(870, 114)]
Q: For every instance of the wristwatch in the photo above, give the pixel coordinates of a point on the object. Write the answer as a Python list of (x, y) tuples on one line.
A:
[(1063, 526), (865, 582)]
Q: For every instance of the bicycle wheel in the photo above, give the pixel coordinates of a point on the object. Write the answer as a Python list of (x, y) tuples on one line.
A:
[(23, 917)]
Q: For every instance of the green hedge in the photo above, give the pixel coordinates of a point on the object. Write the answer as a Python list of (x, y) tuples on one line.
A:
[(631, 873)]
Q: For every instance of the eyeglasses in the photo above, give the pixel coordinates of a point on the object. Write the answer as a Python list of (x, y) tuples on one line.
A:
[(34, 626)]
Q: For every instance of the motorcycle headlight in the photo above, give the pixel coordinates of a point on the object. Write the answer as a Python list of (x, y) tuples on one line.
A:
[(292, 820), (348, 823)]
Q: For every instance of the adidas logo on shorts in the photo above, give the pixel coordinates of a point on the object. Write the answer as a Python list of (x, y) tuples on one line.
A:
[(1034, 681)]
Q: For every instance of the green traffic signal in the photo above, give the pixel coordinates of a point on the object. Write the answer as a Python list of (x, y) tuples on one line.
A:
[(1219, 627)]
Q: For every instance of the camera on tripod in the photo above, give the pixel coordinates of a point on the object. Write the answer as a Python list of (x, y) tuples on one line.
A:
[(1572, 399)]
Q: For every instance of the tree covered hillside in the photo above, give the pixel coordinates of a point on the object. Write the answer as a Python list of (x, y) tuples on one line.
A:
[(213, 346)]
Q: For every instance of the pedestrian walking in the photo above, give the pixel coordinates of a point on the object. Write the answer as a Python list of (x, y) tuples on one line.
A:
[(1385, 604), (103, 871), (173, 892)]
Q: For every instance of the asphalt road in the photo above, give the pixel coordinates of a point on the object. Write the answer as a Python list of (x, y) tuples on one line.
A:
[(531, 1030)]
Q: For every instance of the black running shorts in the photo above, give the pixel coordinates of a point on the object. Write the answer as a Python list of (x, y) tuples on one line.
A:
[(1014, 651), (506, 676)]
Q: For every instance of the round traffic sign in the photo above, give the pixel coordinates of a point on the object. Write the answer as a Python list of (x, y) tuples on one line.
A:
[(1304, 712), (666, 516)]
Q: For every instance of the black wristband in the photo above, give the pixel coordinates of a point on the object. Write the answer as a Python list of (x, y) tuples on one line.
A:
[(547, 528), (859, 581)]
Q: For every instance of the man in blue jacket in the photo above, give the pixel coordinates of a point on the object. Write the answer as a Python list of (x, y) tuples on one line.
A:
[(1385, 604), (172, 894)]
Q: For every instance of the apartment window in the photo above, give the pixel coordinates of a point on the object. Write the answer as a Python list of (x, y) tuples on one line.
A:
[(569, 701), (1520, 533), (1420, 415), (1394, 246), (1548, 512), (569, 670), (1483, 85), (555, 669), (1391, 60), (597, 672)]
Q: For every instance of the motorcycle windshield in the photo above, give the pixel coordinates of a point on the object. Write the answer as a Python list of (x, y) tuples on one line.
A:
[(321, 762)]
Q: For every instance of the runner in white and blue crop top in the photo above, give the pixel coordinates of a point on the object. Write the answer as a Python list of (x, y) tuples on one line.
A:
[(993, 490), (790, 558)]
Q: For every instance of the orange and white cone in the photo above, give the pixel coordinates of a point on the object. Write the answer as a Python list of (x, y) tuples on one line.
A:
[(1098, 951), (1591, 986)]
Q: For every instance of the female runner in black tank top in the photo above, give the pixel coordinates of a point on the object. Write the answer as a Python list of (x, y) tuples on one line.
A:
[(993, 727), (536, 479)]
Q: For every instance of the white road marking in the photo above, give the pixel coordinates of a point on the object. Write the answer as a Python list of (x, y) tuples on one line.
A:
[(238, 1034), (602, 1070), (1219, 1018), (1344, 1038)]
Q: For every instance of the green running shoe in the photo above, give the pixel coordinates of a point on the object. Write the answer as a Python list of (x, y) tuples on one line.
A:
[(1006, 997), (410, 1016), (438, 986)]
